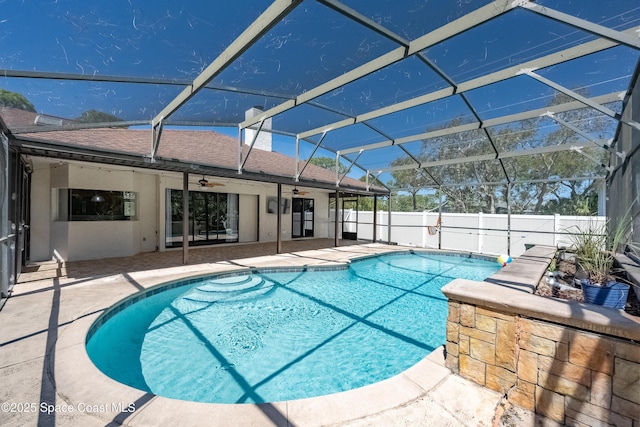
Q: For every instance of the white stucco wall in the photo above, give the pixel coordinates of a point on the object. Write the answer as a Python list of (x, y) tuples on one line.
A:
[(81, 240), (41, 212)]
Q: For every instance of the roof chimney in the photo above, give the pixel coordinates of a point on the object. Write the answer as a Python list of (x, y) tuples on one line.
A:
[(263, 142)]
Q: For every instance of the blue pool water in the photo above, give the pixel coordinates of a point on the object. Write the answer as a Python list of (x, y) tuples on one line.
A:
[(282, 335)]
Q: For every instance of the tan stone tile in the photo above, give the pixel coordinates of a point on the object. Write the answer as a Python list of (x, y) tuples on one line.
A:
[(499, 379), (482, 351), (472, 369), (453, 329), (463, 344), (575, 373), (627, 351), (453, 363), (602, 415), (506, 344), (528, 366), (537, 344), (621, 421), (467, 315), (601, 389), (563, 386), (545, 330), (454, 312), (452, 349), (591, 351), (626, 380), (562, 351), (486, 323), (550, 404), (523, 395), (625, 408), (495, 314), (478, 334)]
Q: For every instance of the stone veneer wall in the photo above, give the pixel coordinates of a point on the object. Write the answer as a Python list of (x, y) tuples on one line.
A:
[(569, 375)]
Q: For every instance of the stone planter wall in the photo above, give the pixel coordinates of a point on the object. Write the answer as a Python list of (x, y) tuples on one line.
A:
[(567, 374), (575, 363)]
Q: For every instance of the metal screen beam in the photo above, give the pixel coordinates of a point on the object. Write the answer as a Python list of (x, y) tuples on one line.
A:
[(156, 134), (486, 157), (607, 111), (508, 73), (267, 20), (297, 177), (612, 97), (597, 162), (253, 141), (598, 30), (605, 146), (367, 22), (348, 169), (451, 29)]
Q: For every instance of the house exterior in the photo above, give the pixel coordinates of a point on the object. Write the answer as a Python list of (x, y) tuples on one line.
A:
[(96, 193)]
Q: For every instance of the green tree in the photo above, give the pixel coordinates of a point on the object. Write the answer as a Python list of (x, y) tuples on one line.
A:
[(483, 182), (95, 116), (328, 163), (547, 194), (15, 100), (409, 180)]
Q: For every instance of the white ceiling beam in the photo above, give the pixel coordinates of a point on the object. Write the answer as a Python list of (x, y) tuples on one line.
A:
[(451, 29), (267, 20)]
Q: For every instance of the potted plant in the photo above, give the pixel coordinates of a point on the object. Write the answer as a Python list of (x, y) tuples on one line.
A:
[(595, 249)]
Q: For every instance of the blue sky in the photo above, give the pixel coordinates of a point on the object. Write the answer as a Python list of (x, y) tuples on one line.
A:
[(174, 42)]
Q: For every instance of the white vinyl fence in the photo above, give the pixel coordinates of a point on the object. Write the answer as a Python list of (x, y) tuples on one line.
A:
[(479, 233)]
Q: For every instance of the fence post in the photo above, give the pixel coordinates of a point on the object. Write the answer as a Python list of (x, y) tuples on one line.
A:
[(424, 229), (556, 228), (480, 236), (440, 217)]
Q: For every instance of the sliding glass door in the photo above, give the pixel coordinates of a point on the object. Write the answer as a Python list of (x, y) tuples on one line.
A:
[(213, 218)]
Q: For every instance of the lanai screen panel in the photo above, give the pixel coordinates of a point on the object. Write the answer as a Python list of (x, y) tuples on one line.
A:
[(375, 76)]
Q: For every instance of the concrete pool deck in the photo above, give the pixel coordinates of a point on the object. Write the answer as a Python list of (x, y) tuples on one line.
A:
[(48, 378)]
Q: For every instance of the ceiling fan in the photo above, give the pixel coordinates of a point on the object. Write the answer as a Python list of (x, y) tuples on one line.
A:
[(297, 192), (204, 183)]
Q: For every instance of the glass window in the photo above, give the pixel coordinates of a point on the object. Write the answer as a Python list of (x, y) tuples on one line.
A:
[(96, 205), (213, 218)]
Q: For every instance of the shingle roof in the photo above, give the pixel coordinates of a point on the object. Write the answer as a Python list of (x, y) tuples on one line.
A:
[(199, 147)]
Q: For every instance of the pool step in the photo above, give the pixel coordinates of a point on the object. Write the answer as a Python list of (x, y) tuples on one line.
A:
[(228, 289), (231, 284)]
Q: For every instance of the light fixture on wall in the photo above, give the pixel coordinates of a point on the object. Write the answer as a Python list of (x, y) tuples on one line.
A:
[(97, 198)]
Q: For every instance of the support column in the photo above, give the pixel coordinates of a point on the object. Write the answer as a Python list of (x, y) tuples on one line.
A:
[(440, 216), (480, 236), (335, 237), (425, 224), (389, 221), (509, 219), (185, 218), (375, 217), (279, 221)]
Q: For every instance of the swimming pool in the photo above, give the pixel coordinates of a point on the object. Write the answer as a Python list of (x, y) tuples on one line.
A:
[(281, 334)]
